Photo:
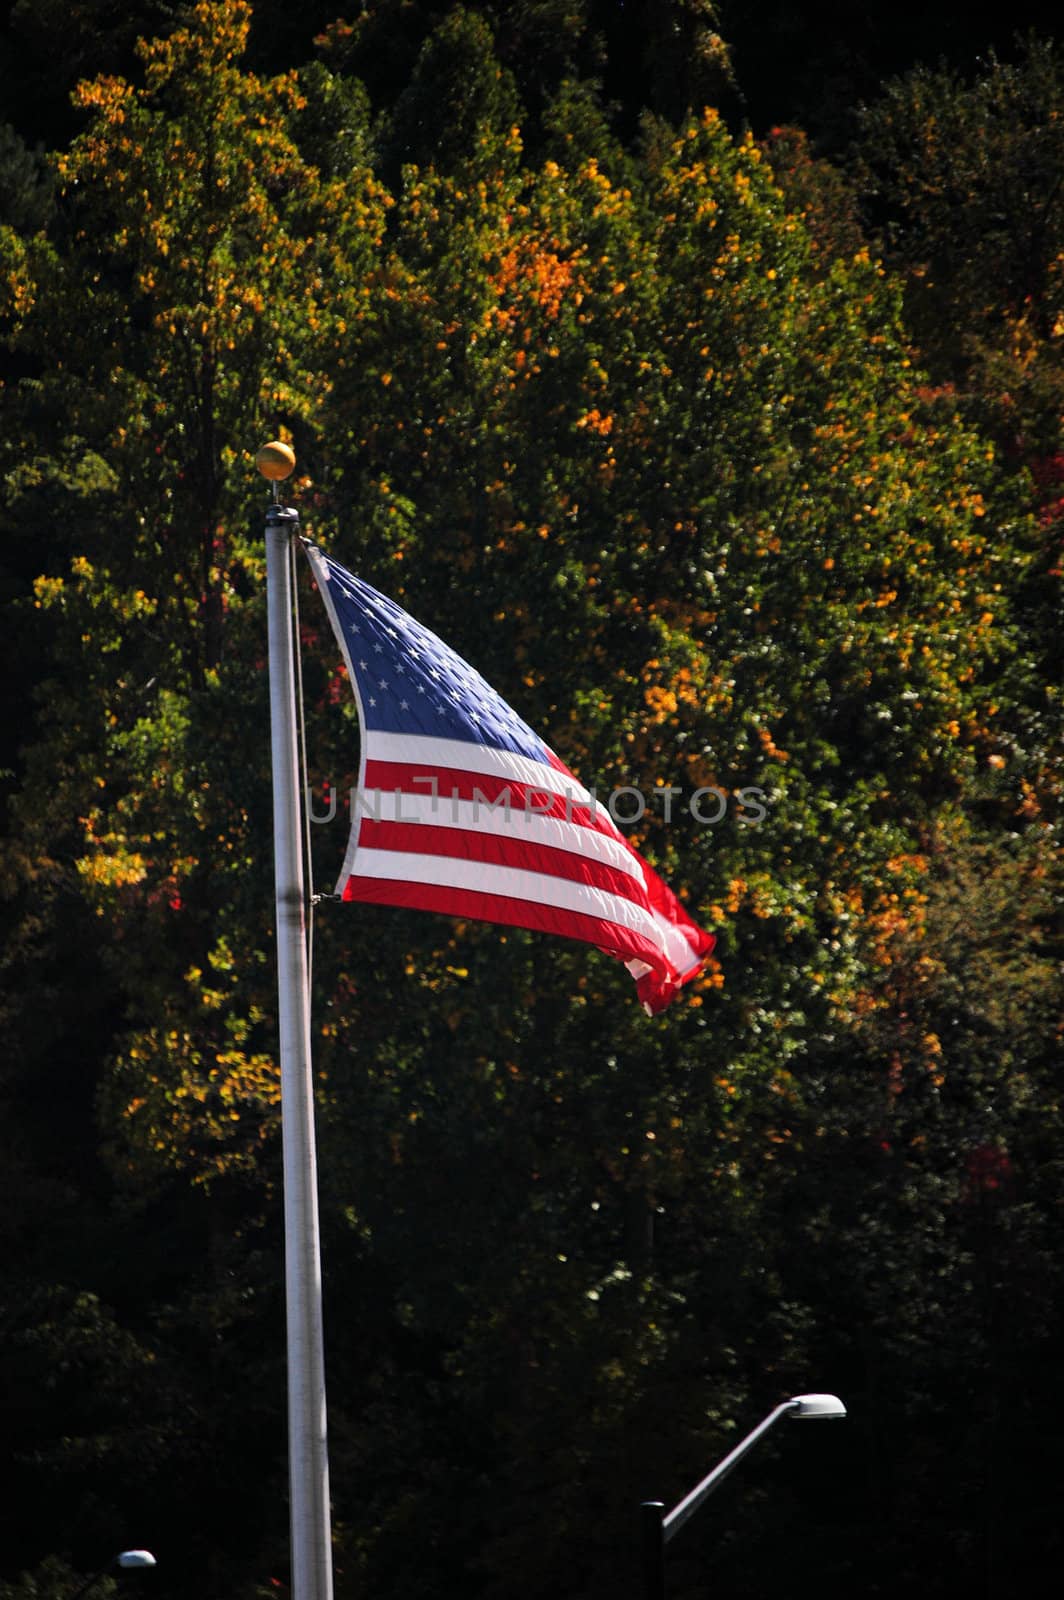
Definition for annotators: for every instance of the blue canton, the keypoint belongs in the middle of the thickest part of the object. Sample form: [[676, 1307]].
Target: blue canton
[[409, 681]]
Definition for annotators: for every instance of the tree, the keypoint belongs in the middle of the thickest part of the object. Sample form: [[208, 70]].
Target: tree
[[167, 317], [965, 179], [724, 539], [661, 465]]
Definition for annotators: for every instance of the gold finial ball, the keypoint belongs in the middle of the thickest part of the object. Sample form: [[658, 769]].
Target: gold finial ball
[[276, 461]]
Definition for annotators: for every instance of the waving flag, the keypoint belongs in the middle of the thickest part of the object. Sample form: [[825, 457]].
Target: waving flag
[[462, 809]]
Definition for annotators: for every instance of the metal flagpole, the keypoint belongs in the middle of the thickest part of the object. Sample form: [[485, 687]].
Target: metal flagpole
[[308, 1461]]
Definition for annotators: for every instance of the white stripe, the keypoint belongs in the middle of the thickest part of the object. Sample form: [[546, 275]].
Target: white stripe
[[681, 952], [506, 822], [448, 872], [418, 750]]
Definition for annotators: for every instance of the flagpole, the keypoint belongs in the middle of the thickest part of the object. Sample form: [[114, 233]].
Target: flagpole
[[308, 1461]]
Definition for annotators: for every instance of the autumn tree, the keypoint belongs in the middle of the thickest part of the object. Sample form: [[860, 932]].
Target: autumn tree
[[646, 441], [724, 538], [167, 318], [965, 178]]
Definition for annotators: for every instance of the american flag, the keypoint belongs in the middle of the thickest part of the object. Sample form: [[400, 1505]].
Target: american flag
[[463, 809]]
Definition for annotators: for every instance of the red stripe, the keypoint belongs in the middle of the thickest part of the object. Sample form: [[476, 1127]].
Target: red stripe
[[662, 900], [610, 937], [558, 764], [410, 778], [501, 850]]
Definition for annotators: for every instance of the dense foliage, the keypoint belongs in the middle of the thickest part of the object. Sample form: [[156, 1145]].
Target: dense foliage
[[734, 469]]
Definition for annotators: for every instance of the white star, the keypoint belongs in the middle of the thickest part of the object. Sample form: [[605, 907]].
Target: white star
[[404, 705]]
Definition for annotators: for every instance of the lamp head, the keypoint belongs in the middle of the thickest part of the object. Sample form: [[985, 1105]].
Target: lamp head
[[134, 1558], [808, 1406]]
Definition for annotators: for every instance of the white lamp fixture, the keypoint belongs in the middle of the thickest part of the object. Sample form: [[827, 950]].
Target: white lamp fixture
[[124, 1560], [827, 1406]]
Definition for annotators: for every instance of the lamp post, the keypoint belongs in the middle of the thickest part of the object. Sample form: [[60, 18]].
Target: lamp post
[[125, 1560], [658, 1527]]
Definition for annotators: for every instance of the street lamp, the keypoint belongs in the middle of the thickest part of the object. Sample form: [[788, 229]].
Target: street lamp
[[658, 1528], [126, 1560]]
